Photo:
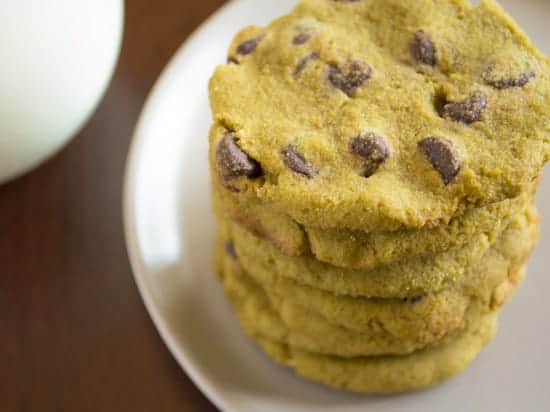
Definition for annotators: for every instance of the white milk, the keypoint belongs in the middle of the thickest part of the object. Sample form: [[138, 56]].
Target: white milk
[[56, 58]]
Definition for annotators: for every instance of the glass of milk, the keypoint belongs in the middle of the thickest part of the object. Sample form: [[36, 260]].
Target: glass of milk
[[57, 57]]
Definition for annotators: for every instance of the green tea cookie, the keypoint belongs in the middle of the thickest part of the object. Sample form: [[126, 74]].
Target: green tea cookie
[[358, 249], [386, 374], [389, 326], [381, 114], [280, 230], [405, 279]]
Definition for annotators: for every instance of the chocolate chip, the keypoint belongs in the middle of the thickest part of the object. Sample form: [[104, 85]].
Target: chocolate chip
[[301, 38], [304, 62], [249, 46], [232, 60], [508, 83], [296, 162], [414, 299], [351, 77], [371, 148], [423, 48], [443, 156], [230, 250], [468, 111], [233, 162]]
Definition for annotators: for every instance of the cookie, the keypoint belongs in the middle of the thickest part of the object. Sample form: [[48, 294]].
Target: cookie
[[405, 279], [280, 230], [386, 374], [359, 249], [382, 327], [377, 115]]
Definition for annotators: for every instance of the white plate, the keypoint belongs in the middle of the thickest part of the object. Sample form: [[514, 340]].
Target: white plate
[[170, 227]]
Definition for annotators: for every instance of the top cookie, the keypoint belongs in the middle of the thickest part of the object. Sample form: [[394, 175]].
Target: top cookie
[[381, 114]]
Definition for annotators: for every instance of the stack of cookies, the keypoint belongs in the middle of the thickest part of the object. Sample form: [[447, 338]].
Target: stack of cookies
[[374, 166]]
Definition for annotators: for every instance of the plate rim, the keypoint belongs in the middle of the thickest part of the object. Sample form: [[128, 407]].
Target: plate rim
[[135, 258]]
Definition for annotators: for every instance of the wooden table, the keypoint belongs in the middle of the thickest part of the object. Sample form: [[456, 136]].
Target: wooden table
[[74, 334]]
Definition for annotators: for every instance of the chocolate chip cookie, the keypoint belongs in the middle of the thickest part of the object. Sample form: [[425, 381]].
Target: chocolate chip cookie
[[405, 279], [378, 115]]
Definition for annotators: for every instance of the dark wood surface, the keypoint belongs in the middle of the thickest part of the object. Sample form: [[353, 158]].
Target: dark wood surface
[[74, 334]]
